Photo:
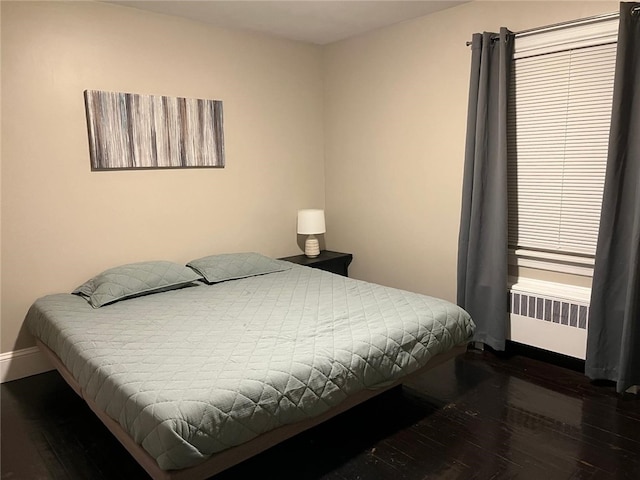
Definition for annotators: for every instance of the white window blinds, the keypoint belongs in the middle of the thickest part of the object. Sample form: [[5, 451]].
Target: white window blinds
[[560, 113]]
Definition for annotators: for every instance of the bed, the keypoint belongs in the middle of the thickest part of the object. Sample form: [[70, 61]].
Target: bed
[[234, 353]]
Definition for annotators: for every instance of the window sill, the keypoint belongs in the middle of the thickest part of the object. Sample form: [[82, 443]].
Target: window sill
[[563, 291]]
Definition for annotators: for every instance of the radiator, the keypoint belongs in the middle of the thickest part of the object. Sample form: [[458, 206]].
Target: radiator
[[550, 316]]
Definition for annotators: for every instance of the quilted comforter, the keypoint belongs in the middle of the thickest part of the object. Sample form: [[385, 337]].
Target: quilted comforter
[[194, 371]]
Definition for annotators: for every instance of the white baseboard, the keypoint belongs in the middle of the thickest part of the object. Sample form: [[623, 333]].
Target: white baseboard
[[22, 363]]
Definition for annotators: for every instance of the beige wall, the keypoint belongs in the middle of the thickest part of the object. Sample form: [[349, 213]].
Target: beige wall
[[394, 112], [395, 120], [62, 223]]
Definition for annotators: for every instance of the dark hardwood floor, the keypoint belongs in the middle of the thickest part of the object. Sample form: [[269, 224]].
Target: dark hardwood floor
[[481, 416]]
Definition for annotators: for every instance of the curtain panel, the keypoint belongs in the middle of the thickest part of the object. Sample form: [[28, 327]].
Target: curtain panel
[[613, 342], [482, 242]]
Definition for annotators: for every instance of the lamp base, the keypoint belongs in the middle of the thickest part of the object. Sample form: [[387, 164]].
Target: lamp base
[[311, 246]]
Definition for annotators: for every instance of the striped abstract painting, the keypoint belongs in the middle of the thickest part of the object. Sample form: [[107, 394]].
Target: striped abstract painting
[[130, 131]]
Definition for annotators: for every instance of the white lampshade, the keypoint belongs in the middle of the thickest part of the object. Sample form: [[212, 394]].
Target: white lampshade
[[311, 222]]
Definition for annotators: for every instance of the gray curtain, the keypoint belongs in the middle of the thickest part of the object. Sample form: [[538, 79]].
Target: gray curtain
[[482, 243], [613, 344]]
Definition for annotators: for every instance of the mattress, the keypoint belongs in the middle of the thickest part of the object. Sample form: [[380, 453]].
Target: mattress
[[191, 372]]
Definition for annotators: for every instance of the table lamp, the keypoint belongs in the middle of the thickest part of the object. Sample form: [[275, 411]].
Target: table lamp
[[311, 222]]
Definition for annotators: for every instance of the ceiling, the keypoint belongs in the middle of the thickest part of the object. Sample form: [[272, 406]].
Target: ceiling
[[314, 21]]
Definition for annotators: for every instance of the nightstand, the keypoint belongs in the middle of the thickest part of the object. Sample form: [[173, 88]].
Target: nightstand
[[334, 262]]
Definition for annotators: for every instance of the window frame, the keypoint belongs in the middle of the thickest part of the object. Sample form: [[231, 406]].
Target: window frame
[[567, 36]]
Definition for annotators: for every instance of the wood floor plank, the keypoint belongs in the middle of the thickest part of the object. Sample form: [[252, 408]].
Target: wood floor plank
[[482, 416]]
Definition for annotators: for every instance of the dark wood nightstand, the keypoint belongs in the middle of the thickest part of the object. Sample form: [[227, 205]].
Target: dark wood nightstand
[[334, 262]]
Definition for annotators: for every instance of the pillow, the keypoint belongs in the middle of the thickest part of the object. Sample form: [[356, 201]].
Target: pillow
[[135, 279], [231, 266]]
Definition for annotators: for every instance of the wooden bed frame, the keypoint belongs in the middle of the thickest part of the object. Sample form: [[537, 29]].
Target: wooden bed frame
[[231, 456]]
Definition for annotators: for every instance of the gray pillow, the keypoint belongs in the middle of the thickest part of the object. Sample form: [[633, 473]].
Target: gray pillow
[[231, 266], [134, 280]]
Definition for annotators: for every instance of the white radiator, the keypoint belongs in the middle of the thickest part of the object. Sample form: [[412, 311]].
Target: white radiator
[[550, 316]]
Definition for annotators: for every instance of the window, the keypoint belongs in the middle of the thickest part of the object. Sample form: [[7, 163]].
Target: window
[[560, 113]]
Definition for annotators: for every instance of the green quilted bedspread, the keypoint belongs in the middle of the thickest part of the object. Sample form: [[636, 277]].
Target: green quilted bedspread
[[191, 372]]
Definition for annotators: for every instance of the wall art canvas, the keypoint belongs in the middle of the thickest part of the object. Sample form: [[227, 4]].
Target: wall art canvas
[[131, 131]]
